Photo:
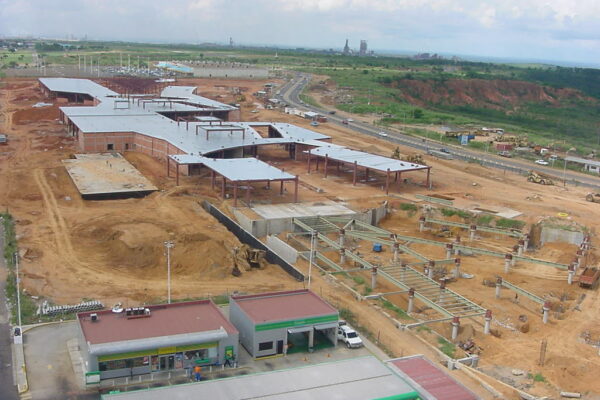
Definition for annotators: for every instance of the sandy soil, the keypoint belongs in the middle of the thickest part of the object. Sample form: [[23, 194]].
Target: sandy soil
[[113, 250]]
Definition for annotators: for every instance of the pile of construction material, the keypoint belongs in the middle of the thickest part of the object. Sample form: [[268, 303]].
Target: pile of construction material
[[83, 306]]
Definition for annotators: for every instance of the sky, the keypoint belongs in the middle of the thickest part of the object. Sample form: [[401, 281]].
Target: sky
[[559, 30]]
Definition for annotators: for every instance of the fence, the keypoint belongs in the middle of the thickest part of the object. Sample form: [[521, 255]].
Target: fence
[[246, 237]]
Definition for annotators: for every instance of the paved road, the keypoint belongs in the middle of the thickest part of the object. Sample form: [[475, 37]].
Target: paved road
[[8, 390], [289, 93], [49, 368]]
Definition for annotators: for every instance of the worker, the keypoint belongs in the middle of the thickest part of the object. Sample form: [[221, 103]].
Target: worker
[[228, 360], [197, 371]]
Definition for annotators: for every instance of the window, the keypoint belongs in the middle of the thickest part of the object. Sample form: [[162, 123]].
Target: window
[[265, 346], [110, 146], [201, 354], [126, 146]]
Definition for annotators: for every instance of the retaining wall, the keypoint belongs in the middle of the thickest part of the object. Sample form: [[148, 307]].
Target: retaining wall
[[284, 250], [561, 235]]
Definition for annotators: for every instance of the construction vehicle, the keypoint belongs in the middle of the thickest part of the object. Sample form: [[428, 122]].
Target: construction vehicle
[[246, 255], [589, 277], [411, 158], [593, 197], [539, 178]]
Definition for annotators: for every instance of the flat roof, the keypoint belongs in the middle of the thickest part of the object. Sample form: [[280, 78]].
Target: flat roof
[[296, 210], [583, 161], [187, 92], [71, 85], [237, 169], [164, 320], [106, 173], [436, 382], [353, 379], [283, 306], [367, 160]]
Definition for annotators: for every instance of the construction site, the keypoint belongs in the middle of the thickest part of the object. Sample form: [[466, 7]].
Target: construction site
[[457, 261]]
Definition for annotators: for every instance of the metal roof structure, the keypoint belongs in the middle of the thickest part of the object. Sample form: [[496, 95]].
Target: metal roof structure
[[371, 161], [84, 86], [353, 379], [187, 93], [585, 161], [431, 379], [237, 169], [281, 306]]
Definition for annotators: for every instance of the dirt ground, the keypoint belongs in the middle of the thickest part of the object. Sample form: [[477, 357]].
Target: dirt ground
[[113, 250]]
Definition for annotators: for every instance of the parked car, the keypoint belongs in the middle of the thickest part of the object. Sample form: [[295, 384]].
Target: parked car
[[332, 112], [505, 154], [350, 120], [541, 162], [348, 336], [345, 122], [314, 123], [382, 134]]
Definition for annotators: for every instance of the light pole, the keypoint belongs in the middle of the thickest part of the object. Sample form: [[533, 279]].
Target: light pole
[[18, 288], [169, 245], [565, 167], [310, 258]]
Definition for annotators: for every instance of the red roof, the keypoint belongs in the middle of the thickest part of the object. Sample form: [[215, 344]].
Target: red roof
[[431, 378], [283, 306], [164, 320]]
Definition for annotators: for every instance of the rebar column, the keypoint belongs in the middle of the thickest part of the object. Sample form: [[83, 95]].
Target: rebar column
[[571, 274], [421, 223], [449, 247], [411, 300], [488, 322], [507, 262], [373, 278], [457, 268], [498, 287], [455, 326], [472, 231], [546, 312]]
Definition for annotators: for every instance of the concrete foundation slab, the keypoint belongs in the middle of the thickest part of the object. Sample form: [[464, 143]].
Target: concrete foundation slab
[[290, 210], [106, 175]]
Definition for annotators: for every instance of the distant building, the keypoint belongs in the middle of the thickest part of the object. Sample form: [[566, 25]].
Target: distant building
[[346, 49], [363, 48], [588, 165]]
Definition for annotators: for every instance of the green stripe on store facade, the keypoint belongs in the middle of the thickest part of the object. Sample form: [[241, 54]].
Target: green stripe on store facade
[[296, 322]]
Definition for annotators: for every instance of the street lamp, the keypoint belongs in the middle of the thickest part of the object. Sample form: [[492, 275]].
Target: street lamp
[[565, 167], [18, 288], [169, 244], [311, 256]]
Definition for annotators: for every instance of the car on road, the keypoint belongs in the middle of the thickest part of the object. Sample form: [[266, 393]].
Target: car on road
[[348, 335], [345, 122], [444, 150], [505, 154], [541, 162], [332, 112], [382, 134], [350, 120], [314, 123]]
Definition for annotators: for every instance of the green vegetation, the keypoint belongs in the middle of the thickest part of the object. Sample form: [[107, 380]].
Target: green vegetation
[[351, 318], [484, 220], [537, 377], [400, 313], [309, 100], [449, 212], [12, 59], [408, 207], [359, 280], [446, 347], [509, 223], [423, 328]]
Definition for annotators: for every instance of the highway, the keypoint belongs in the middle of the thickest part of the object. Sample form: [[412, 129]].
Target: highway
[[290, 91]]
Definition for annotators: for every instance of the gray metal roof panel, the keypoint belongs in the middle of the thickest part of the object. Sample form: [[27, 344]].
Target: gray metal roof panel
[[83, 86], [367, 160], [237, 169]]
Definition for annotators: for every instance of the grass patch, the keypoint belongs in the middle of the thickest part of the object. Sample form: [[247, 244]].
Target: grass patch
[[509, 223], [400, 313], [449, 212], [309, 100], [446, 347], [359, 280], [537, 377], [485, 220], [423, 328]]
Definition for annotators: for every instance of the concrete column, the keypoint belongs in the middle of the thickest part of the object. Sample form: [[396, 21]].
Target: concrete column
[[571, 274], [457, 268], [342, 255], [449, 248], [546, 312], [472, 231], [402, 272], [579, 257], [456, 243], [442, 290], [488, 322], [373, 278], [411, 300], [342, 237], [576, 263], [513, 261], [521, 246], [308, 162], [311, 339], [525, 242], [430, 269], [455, 325], [421, 224], [498, 287], [507, 262], [396, 249]]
